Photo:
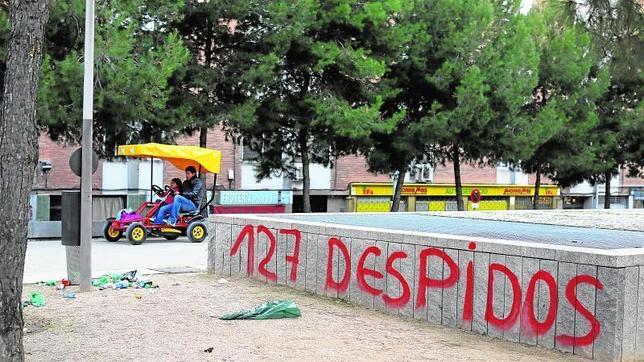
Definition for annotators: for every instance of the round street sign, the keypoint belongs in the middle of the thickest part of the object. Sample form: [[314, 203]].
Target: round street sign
[[75, 162], [475, 196]]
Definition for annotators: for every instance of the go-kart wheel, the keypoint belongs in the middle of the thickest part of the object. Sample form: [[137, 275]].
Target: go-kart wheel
[[136, 233], [110, 233], [171, 236], [197, 232]]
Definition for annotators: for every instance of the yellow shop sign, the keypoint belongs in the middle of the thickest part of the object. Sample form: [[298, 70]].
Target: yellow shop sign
[[386, 189]]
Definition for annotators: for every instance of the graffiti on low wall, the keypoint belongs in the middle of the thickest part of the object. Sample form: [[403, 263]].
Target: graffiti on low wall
[[519, 312]]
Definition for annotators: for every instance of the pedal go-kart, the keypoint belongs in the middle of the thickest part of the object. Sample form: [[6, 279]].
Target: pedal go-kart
[[137, 225]]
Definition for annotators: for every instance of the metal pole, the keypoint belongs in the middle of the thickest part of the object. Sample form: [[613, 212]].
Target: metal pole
[[151, 176], [86, 175], [596, 197]]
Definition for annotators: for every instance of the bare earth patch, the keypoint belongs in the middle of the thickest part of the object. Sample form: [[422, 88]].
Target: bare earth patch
[[176, 323]]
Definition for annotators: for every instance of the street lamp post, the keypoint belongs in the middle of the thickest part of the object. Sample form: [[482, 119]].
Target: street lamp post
[[86, 162]]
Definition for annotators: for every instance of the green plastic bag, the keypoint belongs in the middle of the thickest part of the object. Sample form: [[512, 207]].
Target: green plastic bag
[[269, 310], [105, 279], [36, 299]]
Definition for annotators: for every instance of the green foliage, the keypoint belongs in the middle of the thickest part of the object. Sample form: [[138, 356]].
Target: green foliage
[[557, 90], [467, 69], [313, 80], [562, 111], [616, 30], [136, 55], [631, 131], [483, 124], [5, 28], [221, 36]]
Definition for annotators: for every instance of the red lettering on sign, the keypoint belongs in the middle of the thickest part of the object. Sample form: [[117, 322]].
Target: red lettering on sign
[[295, 258], [571, 290], [362, 271], [248, 230], [529, 323], [425, 282], [468, 303], [507, 322], [271, 250], [400, 301], [330, 282]]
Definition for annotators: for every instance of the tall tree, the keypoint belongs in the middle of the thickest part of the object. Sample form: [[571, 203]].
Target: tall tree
[[136, 55], [408, 94], [616, 28], [216, 33], [483, 69], [18, 159], [311, 86], [562, 111]]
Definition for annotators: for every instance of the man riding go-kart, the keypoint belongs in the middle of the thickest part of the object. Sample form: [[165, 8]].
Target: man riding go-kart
[[187, 201], [187, 212]]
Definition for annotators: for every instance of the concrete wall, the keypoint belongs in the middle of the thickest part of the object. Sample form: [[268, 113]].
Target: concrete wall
[[576, 300]]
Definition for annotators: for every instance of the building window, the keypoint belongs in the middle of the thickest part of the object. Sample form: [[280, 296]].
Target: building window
[[55, 207], [616, 202]]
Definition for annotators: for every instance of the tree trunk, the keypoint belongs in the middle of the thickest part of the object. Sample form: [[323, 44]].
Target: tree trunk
[[608, 176], [395, 205], [537, 186], [203, 136], [18, 159], [457, 178], [306, 177]]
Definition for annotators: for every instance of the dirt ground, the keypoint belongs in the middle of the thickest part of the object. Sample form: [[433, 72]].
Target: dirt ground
[[177, 323]]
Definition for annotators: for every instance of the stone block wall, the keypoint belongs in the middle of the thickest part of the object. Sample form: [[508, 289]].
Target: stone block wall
[[576, 300]]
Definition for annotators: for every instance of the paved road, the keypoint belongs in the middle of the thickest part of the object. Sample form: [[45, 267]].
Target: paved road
[[547, 234], [46, 259]]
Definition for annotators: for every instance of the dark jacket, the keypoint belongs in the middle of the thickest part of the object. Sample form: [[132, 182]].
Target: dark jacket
[[194, 190]]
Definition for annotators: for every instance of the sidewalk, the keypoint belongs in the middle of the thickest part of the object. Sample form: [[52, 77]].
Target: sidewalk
[[45, 259]]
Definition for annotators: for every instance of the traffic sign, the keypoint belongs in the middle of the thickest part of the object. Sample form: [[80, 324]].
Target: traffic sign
[[75, 162], [475, 198]]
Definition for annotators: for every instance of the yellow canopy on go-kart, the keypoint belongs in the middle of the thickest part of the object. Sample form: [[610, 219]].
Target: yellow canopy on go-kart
[[180, 156]]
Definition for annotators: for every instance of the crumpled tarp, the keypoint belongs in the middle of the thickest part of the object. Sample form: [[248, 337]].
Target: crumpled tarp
[[269, 310]]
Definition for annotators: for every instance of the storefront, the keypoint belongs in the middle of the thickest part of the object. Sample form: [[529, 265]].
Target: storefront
[[376, 197], [253, 202]]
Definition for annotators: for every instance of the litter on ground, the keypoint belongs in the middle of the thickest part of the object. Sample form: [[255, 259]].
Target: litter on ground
[[123, 281], [269, 310]]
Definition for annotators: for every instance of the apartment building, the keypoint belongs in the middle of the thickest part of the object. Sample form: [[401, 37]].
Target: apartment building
[[345, 187]]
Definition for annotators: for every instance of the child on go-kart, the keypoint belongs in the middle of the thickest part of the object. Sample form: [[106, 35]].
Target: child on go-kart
[[175, 189]]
